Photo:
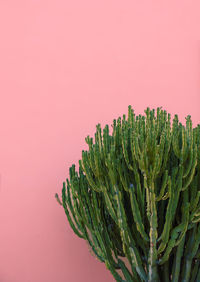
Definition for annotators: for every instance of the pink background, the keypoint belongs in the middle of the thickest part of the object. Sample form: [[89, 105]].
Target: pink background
[[64, 67]]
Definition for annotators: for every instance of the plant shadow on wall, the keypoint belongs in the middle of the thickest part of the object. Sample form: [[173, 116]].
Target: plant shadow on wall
[[136, 197]]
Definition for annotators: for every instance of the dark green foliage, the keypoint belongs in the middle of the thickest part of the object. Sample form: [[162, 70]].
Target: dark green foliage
[[137, 196]]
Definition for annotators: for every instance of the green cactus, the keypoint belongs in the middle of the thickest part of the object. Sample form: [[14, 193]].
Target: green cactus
[[137, 196]]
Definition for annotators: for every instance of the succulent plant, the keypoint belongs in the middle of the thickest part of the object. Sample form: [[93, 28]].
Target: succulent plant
[[137, 196]]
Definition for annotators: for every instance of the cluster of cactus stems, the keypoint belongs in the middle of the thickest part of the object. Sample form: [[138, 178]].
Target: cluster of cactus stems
[[137, 196]]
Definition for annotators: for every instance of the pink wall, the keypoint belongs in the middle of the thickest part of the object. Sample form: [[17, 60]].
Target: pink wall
[[64, 67]]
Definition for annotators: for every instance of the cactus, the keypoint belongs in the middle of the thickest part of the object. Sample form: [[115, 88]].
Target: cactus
[[137, 196]]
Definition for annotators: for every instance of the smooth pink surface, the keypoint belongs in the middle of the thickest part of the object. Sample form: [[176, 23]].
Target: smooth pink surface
[[64, 67]]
